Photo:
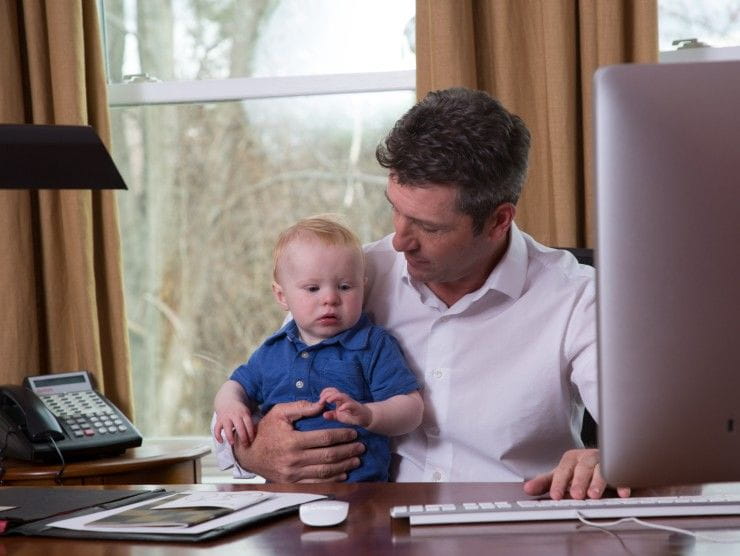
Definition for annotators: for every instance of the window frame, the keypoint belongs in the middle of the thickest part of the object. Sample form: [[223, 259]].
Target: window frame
[[700, 54], [251, 88]]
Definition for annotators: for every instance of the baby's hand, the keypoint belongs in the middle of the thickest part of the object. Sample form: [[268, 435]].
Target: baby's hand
[[346, 410], [235, 422]]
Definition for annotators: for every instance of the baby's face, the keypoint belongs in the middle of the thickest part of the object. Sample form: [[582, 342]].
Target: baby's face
[[322, 286]]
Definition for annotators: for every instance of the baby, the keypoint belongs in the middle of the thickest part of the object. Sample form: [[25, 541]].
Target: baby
[[329, 352]]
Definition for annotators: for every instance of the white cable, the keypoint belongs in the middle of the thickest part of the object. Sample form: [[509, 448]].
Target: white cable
[[606, 525]]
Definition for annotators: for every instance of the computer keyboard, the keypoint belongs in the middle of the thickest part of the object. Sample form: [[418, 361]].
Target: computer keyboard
[[548, 510]]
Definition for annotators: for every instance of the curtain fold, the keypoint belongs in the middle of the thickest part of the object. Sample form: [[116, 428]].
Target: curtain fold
[[60, 263], [539, 57]]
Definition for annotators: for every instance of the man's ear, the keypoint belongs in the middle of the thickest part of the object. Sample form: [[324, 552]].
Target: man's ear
[[277, 291], [500, 221]]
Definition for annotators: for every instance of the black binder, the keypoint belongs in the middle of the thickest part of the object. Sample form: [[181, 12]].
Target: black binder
[[100, 500], [33, 504]]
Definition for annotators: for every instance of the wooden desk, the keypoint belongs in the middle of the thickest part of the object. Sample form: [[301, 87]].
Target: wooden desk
[[164, 461], [369, 530]]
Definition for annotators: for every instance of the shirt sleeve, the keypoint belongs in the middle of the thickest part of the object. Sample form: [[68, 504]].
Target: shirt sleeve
[[388, 374], [247, 376], [580, 345]]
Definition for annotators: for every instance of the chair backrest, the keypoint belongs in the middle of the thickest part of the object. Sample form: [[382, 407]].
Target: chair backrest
[[589, 429], [585, 255]]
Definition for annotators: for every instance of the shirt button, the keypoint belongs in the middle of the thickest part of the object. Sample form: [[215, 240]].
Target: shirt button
[[437, 476], [299, 384], [304, 354], [437, 373]]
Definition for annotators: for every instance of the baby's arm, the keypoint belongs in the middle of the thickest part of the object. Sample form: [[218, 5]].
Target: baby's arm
[[232, 414], [396, 415]]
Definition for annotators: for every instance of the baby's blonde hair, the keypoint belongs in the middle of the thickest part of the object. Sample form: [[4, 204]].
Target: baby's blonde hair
[[325, 227]]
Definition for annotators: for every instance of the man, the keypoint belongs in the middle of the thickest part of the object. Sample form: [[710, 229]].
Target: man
[[499, 329]]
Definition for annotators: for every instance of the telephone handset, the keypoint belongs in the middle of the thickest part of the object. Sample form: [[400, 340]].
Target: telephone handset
[[27, 411], [61, 413]]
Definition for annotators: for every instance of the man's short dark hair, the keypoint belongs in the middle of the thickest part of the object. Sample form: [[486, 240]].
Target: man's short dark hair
[[463, 138]]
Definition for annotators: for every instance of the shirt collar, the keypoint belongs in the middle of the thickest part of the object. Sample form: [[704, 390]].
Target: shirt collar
[[511, 271], [354, 338]]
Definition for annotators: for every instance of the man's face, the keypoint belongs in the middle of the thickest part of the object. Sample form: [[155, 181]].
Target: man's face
[[438, 240]]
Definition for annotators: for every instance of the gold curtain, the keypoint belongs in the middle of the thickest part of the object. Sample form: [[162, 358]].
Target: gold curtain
[[61, 290], [539, 57]]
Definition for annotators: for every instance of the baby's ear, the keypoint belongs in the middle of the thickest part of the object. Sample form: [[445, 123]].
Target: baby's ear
[[277, 291]]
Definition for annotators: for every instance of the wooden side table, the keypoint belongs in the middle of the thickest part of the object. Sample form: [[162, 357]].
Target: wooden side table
[[161, 461]]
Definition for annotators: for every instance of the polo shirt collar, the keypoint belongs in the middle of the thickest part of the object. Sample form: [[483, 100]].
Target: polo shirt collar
[[355, 338]]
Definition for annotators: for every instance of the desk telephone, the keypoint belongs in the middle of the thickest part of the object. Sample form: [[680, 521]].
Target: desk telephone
[[64, 410]]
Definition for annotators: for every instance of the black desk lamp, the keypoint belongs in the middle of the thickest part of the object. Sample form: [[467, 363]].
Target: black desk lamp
[[55, 157]]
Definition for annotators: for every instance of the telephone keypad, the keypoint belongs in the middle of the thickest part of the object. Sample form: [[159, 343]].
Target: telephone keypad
[[85, 413]]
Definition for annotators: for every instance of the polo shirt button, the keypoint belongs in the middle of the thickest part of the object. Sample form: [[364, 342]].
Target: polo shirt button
[[304, 354], [437, 476], [438, 373], [299, 384]]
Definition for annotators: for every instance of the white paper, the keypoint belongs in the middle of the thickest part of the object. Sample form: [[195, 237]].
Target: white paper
[[215, 499], [272, 502]]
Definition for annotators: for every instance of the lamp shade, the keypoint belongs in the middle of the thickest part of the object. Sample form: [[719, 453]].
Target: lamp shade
[[55, 157]]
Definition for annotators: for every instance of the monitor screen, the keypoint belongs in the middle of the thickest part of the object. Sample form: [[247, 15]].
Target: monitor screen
[[667, 143]]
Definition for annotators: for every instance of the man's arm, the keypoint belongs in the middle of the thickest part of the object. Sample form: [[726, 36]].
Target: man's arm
[[282, 454], [578, 474]]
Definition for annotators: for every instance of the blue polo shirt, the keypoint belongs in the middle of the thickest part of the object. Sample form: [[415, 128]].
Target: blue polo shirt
[[365, 362]]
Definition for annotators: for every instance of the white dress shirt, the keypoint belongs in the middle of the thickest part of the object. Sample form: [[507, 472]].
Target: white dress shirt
[[505, 370]]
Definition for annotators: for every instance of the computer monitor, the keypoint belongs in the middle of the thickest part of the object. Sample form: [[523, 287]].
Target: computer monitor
[[668, 272]]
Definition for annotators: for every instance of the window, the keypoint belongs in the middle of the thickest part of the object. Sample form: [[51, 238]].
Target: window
[[230, 120], [714, 23]]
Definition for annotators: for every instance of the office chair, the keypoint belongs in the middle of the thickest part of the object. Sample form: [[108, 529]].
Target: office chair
[[589, 429]]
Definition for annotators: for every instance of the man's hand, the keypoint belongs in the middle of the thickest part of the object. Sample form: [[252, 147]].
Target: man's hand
[[577, 474], [282, 454]]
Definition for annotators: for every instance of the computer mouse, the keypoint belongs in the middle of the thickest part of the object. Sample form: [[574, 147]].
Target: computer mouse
[[323, 513]]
